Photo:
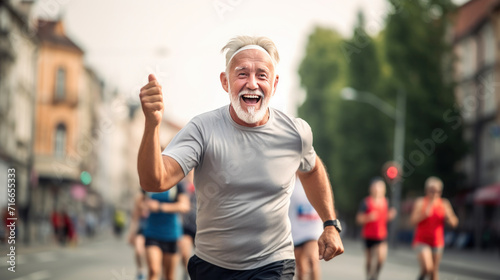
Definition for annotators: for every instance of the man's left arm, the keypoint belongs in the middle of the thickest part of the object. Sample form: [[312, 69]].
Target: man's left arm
[[319, 193]]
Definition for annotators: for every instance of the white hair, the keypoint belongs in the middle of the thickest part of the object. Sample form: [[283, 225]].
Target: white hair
[[239, 42], [431, 181]]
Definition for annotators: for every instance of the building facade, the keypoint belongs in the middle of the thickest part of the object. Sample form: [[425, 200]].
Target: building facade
[[18, 56], [476, 43], [59, 122]]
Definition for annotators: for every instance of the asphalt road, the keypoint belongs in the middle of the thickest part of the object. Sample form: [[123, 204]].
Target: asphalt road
[[111, 259]]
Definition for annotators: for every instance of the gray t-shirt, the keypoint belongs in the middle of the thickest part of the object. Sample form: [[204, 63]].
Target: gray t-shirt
[[244, 177]]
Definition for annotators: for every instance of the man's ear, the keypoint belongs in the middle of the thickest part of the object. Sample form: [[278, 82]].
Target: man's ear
[[276, 83], [224, 81]]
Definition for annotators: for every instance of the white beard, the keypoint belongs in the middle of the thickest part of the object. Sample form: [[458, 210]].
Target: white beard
[[253, 115]]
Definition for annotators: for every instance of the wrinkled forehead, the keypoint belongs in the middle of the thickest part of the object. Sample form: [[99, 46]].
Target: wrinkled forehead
[[250, 58]]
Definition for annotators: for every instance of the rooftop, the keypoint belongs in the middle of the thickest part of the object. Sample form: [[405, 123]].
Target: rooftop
[[53, 31]]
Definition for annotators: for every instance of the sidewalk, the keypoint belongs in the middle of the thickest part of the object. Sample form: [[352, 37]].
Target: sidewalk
[[401, 263]]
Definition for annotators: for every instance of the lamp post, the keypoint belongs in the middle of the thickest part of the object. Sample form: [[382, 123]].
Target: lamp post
[[398, 114]]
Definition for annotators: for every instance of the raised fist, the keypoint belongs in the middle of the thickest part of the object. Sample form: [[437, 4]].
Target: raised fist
[[152, 101]]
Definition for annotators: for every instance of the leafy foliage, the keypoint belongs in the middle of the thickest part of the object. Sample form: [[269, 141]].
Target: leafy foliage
[[354, 139]]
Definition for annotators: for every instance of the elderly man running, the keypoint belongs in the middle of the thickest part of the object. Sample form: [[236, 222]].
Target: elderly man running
[[245, 157]]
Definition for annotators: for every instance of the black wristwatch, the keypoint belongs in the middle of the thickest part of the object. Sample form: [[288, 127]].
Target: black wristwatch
[[335, 223]]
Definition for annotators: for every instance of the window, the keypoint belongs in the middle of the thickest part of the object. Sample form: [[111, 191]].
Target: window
[[469, 101], [60, 84], [488, 97], [60, 140], [489, 44], [468, 60]]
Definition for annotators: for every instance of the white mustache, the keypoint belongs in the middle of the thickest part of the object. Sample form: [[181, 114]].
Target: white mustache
[[256, 92]]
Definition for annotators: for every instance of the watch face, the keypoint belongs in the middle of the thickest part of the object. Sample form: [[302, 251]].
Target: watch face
[[337, 224]]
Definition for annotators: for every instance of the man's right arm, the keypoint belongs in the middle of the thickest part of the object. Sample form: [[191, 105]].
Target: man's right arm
[[362, 217], [157, 173]]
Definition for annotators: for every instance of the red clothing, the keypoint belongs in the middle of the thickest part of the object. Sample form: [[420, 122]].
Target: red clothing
[[57, 220], [376, 230], [431, 229]]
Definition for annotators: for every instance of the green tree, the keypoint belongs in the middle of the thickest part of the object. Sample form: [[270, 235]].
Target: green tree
[[419, 55], [363, 145], [349, 136], [323, 74]]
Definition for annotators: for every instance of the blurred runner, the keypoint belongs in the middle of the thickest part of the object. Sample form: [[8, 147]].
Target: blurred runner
[[429, 215], [57, 221], [163, 230], [118, 222], [186, 243], [70, 234], [373, 215], [306, 229], [136, 236]]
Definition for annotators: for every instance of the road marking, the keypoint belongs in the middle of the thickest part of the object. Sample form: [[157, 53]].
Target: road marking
[[39, 275]]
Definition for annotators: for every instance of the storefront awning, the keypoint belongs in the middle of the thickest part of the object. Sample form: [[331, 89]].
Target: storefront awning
[[489, 195]]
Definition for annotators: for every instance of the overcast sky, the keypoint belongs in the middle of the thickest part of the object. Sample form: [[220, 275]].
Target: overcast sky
[[180, 41]]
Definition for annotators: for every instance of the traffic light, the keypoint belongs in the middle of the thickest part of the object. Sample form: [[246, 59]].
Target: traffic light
[[391, 172], [86, 178]]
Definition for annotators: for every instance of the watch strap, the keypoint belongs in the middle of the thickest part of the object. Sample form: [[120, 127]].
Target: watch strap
[[335, 223]]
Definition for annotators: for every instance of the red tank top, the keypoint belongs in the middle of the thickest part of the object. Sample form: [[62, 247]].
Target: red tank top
[[431, 229], [376, 230]]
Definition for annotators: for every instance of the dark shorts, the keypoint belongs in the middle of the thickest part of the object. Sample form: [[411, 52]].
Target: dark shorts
[[165, 246], [369, 243], [189, 232], [201, 270]]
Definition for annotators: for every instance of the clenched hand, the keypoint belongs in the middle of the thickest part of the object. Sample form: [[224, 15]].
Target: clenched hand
[[152, 101]]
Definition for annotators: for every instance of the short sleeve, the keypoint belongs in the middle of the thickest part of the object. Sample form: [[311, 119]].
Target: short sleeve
[[186, 147], [308, 159]]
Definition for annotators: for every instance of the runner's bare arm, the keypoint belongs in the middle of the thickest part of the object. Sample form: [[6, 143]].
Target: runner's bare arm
[[451, 218], [181, 206], [134, 222], [157, 173], [319, 192]]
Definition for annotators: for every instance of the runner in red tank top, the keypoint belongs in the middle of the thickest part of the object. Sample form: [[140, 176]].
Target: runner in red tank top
[[374, 214], [429, 215]]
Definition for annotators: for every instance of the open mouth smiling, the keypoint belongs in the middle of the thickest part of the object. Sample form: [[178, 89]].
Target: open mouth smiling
[[251, 99]]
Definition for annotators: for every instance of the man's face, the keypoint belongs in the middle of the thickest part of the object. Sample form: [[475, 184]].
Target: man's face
[[434, 189], [250, 82], [377, 189]]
